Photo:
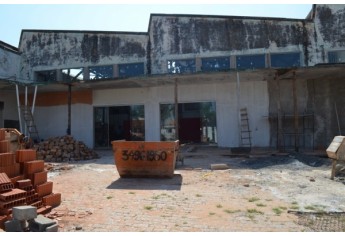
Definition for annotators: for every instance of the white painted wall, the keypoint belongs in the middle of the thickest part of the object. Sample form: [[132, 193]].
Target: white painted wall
[[52, 122], [254, 95], [10, 111]]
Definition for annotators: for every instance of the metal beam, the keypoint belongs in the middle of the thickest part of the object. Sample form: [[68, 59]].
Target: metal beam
[[34, 101]]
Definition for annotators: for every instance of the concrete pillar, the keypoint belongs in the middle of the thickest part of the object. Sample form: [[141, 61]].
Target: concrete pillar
[[198, 64], [59, 76], [116, 71], [86, 73], [233, 62]]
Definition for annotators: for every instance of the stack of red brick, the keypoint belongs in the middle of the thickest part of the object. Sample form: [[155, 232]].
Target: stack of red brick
[[23, 181]]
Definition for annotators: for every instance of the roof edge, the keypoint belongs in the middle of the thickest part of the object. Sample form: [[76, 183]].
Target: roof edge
[[9, 47]]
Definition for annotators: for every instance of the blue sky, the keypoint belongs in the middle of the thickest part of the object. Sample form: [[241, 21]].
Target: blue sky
[[122, 17]]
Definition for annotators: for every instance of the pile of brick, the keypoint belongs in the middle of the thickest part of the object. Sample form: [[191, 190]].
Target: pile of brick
[[64, 148], [23, 181]]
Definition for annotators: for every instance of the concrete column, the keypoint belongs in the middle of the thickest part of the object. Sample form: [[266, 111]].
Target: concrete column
[[198, 64], [233, 62], [59, 76], [86, 73], [268, 60], [116, 71]]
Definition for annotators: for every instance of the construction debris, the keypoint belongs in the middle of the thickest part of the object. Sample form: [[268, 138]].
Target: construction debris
[[23, 181], [64, 148], [25, 219], [219, 167]]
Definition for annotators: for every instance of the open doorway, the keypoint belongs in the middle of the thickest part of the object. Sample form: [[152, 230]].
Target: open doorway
[[197, 122], [118, 122]]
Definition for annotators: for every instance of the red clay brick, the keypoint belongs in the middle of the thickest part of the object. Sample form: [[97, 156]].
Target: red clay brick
[[6, 211], [7, 159], [32, 167], [37, 204], [16, 178], [53, 199], [11, 171], [3, 219], [44, 189], [10, 204], [39, 178], [44, 210], [4, 178], [4, 146], [6, 187], [31, 199], [25, 155], [12, 195], [21, 184], [30, 192], [2, 134]]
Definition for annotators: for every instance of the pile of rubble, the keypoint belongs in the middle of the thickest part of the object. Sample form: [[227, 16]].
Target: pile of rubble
[[64, 148]]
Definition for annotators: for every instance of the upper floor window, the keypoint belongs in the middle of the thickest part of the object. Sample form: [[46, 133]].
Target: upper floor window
[[215, 64], [250, 61], [181, 66], [101, 72], [285, 60], [45, 76], [336, 56], [132, 69], [72, 74]]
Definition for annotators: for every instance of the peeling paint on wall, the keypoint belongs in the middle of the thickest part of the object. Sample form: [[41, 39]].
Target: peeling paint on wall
[[9, 63], [187, 35], [46, 50]]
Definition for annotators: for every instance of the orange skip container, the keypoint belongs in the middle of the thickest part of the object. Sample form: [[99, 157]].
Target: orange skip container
[[145, 159]]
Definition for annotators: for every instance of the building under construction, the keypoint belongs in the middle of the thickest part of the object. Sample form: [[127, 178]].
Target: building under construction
[[230, 81]]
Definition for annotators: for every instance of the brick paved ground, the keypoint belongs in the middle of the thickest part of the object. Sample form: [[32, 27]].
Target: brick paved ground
[[96, 199]]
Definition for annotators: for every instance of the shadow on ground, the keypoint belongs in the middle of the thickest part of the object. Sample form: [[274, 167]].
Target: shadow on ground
[[173, 183]]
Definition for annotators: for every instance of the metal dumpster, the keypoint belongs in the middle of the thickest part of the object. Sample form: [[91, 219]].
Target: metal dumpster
[[145, 159]]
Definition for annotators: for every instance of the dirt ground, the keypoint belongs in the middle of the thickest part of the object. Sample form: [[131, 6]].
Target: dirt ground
[[259, 192]]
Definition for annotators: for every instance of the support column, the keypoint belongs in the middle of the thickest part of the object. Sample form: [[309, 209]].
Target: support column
[[69, 109], [18, 105], [238, 96], [34, 101], [176, 111], [295, 112]]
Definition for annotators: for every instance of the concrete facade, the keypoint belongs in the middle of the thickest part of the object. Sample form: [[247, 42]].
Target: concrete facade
[[266, 90]]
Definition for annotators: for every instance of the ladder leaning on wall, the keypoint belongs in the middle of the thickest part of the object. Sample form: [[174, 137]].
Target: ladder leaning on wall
[[246, 140], [25, 112], [30, 123]]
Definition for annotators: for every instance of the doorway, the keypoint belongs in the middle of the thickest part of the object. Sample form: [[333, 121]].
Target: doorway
[[196, 121], [117, 123]]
